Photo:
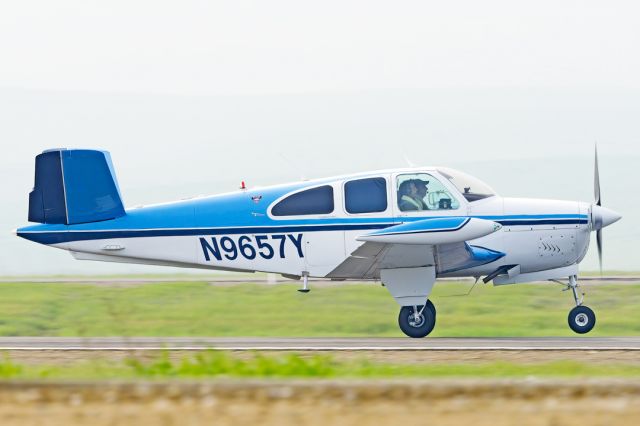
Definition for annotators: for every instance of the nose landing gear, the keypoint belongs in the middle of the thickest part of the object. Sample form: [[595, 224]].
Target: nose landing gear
[[581, 318]]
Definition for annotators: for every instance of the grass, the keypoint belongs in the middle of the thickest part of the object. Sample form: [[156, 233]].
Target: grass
[[202, 309], [218, 364], [211, 274]]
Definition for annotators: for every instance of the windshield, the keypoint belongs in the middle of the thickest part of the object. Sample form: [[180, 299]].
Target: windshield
[[473, 189]]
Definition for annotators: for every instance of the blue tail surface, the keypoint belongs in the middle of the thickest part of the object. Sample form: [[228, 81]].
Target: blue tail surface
[[74, 186]]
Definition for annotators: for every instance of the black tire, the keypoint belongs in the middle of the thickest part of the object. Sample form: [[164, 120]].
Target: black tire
[[422, 328], [582, 319], [432, 307]]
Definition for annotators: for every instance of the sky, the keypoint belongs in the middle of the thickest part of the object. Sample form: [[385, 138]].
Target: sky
[[192, 97]]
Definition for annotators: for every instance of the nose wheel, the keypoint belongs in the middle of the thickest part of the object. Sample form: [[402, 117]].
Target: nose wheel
[[417, 321], [581, 318]]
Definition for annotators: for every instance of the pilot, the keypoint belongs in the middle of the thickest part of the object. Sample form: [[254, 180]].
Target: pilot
[[411, 195]]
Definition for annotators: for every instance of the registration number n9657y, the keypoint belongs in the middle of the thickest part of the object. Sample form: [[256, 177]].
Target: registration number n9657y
[[250, 247]]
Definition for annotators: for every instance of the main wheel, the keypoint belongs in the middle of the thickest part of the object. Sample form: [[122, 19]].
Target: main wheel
[[417, 326], [582, 319]]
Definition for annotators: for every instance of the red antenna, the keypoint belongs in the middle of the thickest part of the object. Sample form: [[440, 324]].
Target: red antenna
[[242, 185]]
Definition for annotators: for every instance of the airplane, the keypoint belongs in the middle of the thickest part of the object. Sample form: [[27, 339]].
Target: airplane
[[404, 227]]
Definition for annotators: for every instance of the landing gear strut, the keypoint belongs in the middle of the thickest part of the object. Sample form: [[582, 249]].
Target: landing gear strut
[[305, 283], [417, 321], [581, 318]]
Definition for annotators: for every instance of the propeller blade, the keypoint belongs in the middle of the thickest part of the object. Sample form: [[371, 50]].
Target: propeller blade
[[599, 242], [596, 182]]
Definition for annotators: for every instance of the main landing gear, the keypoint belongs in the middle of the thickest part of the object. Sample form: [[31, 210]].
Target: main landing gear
[[581, 318], [417, 321]]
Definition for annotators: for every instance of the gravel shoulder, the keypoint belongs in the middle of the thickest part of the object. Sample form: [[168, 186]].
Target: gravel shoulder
[[322, 402]]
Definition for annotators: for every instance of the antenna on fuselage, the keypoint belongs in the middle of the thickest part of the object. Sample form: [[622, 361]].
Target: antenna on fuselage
[[409, 162], [294, 165]]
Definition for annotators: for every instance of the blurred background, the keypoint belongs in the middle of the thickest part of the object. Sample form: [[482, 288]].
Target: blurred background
[[192, 98]]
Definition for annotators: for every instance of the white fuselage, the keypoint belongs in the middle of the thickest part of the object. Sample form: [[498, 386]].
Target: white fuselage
[[536, 234]]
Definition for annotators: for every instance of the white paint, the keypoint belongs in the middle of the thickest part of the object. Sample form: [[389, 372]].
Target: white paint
[[409, 286], [552, 274]]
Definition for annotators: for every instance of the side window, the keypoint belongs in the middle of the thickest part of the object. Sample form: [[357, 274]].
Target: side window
[[312, 201], [366, 195], [421, 191]]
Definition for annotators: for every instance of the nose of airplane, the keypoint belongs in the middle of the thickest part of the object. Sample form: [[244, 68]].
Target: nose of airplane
[[602, 216]]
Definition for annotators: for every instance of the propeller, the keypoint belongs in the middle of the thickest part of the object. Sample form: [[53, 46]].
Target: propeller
[[598, 202], [600, 216], [596, 181]]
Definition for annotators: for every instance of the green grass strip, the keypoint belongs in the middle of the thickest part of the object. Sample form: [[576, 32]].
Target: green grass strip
[[203, 309], [216, 364]]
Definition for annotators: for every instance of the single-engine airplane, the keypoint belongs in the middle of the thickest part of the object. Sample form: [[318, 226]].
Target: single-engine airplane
[[404, 227]]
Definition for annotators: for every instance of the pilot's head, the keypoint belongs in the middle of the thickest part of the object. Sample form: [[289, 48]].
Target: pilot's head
[[405, 188], [416, 188], [420, 187]]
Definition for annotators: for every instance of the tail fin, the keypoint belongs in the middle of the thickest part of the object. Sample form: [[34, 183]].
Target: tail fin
[[74, 186]]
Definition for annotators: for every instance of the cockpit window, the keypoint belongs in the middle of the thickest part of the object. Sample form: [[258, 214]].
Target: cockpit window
[[422, 191], [473, 189], [311, 201]]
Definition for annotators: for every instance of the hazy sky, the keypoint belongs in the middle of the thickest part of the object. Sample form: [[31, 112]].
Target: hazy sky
[[192, 97], [257, 47]]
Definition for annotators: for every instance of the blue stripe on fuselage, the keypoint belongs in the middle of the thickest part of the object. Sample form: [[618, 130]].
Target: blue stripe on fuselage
[[55, 234], [430, 225]]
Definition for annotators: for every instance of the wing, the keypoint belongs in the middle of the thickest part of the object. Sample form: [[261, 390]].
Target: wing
[[438, 242], [368, 259]]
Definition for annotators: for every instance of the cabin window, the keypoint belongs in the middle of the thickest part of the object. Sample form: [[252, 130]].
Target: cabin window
[[366, 195], [311, 201], [421, 191]]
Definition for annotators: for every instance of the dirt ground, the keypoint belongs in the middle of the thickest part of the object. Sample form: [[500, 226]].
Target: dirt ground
[[322, 403], [474, 402]]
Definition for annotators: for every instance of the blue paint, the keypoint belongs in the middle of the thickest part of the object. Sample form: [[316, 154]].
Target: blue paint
[[261, 242], [74, 186], [210, 249], [47, 201], [90, 186], [283, 239], [229, 247], [232, 250], [297, 242], [477, 256], [239, 213], [46, 234], [447, 224], [246, 249], [484, 255]]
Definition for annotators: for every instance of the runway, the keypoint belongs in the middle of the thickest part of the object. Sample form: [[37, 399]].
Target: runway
[[322, 344], [272, 280]]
